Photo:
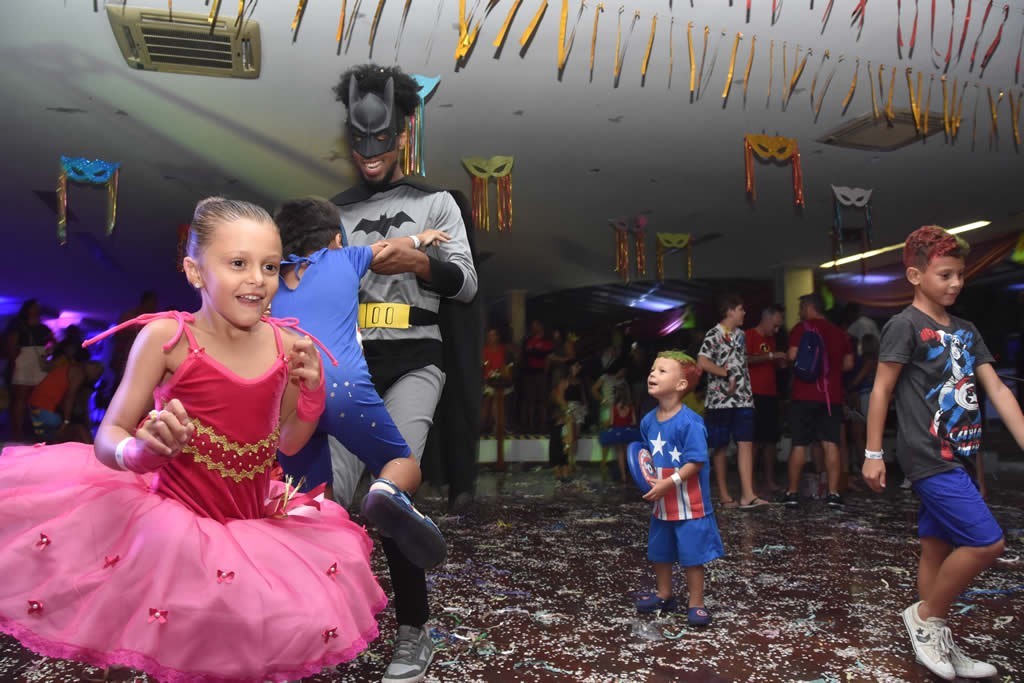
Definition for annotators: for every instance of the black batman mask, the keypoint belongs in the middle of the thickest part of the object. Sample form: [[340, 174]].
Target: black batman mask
[[372, 124]]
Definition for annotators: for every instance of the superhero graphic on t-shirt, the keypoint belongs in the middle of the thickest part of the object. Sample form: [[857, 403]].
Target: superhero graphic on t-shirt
[[956, 422]]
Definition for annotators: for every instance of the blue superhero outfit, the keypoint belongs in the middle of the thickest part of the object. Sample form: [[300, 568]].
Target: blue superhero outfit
[[326, 302]]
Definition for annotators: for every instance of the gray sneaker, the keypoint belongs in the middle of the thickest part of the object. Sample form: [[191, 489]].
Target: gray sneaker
[[412, 655]]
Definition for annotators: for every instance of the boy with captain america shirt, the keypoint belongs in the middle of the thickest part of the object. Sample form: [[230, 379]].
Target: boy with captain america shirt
[[930, 360], [683, 527]]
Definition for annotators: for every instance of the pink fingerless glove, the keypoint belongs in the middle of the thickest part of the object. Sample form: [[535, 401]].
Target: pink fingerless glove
[[132, 455], [311, 401]]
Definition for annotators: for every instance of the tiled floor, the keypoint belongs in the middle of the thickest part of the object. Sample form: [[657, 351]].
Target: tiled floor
[[541, 580]]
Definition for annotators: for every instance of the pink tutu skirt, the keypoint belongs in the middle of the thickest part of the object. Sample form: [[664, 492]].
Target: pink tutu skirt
[[98, 568]]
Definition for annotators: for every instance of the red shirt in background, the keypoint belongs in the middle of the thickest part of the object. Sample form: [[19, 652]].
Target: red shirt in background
[[536, 351], [837, 345], [762, 375]]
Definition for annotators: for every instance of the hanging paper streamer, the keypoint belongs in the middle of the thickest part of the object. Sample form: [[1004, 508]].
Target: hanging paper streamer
[[467, 38], [732, 67], [825, 17], [858, 16], [777, 149], [981, 31], [915, 99], [620, 231], [798, 71], [621, 47], [671, 54], [849, 198], [640, 243], [650, 46], [750, 65], [532, 28], [182, 244], [703, 56], [401, 26], [828, 82], [963, 35], [340, 34], [593, 38], [503, 33], [995, 41], [375, 24], [88, 172], [672, 243], [563, 48], [1015, 117], [853, 86], [899, 30], [412, 155], [693, 66], [482, 170], [300, 9]]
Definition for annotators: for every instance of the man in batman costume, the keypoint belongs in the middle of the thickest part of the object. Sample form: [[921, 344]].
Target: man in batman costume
[[400, 311]]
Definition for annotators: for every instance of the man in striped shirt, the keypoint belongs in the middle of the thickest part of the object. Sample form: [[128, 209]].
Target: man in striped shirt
[[683, 528]]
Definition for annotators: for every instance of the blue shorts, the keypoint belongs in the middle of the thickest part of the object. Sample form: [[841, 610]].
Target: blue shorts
[[355, 415], [723, 423], [952, 510], [689, 542]]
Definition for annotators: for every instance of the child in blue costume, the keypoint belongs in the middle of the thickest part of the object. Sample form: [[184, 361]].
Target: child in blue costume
[[320, 285], [683, 528]]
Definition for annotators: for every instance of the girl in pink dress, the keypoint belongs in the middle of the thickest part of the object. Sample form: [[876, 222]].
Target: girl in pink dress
[[169, 548]]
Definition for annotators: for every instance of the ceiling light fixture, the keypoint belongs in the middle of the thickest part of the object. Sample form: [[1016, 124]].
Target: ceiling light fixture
[[893, 247]]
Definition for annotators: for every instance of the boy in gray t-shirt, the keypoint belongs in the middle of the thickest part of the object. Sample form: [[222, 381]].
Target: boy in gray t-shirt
[[930, 360]]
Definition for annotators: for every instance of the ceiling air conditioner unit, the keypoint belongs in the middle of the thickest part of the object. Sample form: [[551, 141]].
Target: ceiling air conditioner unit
[[185, 43]]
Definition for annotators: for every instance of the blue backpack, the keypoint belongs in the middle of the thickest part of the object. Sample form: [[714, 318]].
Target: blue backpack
[[810, 362]]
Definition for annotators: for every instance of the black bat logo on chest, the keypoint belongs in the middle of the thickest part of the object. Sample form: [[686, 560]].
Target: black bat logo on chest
[[383, 225]]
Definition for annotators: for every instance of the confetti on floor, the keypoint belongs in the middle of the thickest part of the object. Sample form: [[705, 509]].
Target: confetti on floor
[[541, 579]]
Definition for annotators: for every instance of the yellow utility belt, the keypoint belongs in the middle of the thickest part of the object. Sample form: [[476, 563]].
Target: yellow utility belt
[[390, 316]]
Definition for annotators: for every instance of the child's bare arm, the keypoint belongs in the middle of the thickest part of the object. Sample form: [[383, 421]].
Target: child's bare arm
[[878, 409], [662, 487]]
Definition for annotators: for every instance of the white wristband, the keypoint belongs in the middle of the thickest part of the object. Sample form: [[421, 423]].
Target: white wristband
[[676, 478], [119, 451], [873, 455], [415, 241]]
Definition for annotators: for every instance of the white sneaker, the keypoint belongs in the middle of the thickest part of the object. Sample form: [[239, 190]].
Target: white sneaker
[[965, 666], [931, 640]]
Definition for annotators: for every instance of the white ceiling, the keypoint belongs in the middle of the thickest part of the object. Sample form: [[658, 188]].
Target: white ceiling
[[68, 91]]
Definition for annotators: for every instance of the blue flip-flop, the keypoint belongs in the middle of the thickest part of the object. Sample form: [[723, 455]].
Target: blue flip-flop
[[698, 616]]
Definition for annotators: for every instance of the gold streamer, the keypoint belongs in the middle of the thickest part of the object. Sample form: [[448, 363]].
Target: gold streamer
[[814, 80], [500, 40], [593, 38], [750, 65], [650, 46], [881, 90], [913, 102], [771, 71], [945, 106], [620, 55], [797, 72], [703, 56], [993, 105], [467, 38], [732, 66], [853, 86], [785, 69], [618, 42], [828, 82], [340, 34], [958, 117], [671, 56], [693, 66], [563, 18], [889, 114], [532, 28], [214, 11], [1015, 117], [928, 104], [376, 23], [871, 83], [300, 9]]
